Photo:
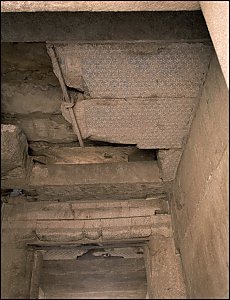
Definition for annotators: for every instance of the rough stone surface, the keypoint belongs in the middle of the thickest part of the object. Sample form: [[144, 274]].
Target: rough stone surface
[[92, 181], [30, 228], [115, 191], [16, 261], [126, 70], [71, 175], [166, 122], [103, 26], [30, 97], [43, 127], [20, 6], [14, 151], [163, 262], [95, 181], [168, 161], [24, 57], [147, 123], [15, 281], [28, 82], [200, 203]]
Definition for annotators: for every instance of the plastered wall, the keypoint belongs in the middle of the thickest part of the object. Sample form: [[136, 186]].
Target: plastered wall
[[200, 194]]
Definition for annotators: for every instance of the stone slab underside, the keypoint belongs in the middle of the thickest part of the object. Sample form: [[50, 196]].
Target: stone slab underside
[[103, 26], [152, 84], [141, 69], [147, 123]]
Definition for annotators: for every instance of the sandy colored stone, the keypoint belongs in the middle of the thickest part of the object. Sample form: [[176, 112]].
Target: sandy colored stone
[[128, 70], [101, 229], [168, 161], [166, 122], [26, 98], [200, 208], [205, 147], [148, 123], [95, 181], [43, 127], [26, 6], [163, 262], [92, 181], [14, 151], [216, 14]]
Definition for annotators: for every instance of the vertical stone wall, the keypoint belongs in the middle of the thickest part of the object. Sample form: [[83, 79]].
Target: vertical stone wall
[[163, 269], [200, 193]]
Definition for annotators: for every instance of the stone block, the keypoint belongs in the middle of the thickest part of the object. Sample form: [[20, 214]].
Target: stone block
[[168, 161], [104, 25], [163, 262], [26, 98], [43, 127], [95, 181], [151, 123], [14, 151], [127, 70]]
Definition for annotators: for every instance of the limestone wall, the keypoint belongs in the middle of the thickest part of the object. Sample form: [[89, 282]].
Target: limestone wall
[[216, 15], [200, 198]]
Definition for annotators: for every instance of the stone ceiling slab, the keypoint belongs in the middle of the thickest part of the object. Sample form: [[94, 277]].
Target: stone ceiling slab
[[124, 70], [148, 123]]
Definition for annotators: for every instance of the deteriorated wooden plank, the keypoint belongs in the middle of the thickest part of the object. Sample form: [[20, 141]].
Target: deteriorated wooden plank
[[92, 265], [94, 275], [99, 295]]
